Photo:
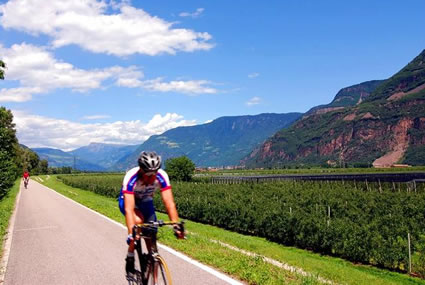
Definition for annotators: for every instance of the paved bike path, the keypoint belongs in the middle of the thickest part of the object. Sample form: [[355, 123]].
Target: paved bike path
[[56, 241]]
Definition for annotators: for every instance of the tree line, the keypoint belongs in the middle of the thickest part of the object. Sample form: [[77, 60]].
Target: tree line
[[15, 158]]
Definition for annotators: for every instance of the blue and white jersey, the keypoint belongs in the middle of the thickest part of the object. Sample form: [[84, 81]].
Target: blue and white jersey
[[143, 187]]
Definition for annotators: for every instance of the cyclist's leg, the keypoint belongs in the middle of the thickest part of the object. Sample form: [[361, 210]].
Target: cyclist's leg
[[129, 266], [161, 274], [138, 218]]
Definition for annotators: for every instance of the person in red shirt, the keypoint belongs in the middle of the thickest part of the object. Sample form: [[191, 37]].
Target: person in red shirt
[[26, 178]]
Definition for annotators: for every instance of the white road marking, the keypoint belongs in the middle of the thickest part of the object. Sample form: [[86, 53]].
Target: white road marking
[[202, 266], [36, 229]]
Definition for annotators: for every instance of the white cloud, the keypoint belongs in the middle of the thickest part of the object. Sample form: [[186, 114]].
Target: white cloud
[[85, 23], [38, 72], [253, 101], [96, 117], [20, 94], [39, 131], [253, 75], [192, 87], [195, 14], [36, 67]]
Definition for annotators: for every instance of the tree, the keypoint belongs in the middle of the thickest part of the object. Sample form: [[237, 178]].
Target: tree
[[8, 138], [29, 160], [180, 168], [8, 154], [2, 68], [43, 166]]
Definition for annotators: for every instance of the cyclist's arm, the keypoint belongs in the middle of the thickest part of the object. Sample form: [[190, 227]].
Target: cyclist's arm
[[129, 211], [170, 206]]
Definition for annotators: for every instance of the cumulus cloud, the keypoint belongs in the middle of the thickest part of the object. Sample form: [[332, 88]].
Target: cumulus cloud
[[195, 14], [191, 87], [96, 117], [87, 24], [40, 131], [38, 71], [253, 101], [253, 75], [36, 67], [20, 94]]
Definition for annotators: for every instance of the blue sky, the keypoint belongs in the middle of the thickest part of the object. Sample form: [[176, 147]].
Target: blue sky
[[120, 71]]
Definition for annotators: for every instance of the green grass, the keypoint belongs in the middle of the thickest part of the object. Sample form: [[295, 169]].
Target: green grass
[[251, 269], [7, 205]]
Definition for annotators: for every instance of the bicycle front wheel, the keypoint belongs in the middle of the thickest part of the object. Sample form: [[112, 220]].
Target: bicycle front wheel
[[159, 273]]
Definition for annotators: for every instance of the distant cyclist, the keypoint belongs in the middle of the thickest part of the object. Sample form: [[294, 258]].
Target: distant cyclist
[[136, 198], [26, 178]]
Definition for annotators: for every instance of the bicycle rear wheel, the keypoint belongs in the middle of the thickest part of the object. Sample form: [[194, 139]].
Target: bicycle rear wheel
[[160, 269]]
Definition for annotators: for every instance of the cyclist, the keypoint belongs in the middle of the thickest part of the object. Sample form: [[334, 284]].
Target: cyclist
[[136, 199], [26, 178]]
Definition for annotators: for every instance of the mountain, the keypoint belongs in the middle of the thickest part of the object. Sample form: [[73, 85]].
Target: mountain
[[387, 127], [349, 96], [104, 155], [222, 142], [59, 158]]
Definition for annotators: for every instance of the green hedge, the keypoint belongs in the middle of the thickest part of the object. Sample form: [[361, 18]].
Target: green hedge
[[104, 184]]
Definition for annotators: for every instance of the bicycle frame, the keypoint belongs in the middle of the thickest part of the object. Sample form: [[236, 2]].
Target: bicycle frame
[[150, 262]]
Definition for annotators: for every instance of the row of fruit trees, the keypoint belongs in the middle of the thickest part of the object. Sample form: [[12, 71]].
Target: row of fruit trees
[[365, 222]]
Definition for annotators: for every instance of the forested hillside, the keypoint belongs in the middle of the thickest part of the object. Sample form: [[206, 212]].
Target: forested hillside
[[222, 142]]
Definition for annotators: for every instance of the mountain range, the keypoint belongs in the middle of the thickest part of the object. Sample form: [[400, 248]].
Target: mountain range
[[222, 142], [378, 122], [94, 157]]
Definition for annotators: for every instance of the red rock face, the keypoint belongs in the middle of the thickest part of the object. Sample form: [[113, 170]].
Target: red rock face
[[265, 151], [334, 145], [393, 139], [361, 135], [397, 145]]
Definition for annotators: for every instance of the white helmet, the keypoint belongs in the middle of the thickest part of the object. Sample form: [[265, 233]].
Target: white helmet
[[149, 161]]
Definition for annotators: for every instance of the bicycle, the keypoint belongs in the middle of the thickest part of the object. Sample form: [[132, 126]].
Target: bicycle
[[151, 264], [25, 183]]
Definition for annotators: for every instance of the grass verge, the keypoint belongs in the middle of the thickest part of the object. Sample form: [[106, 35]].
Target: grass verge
[[253, 270], [7, 204]]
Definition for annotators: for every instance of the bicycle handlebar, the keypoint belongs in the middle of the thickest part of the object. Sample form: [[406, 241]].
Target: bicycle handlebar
[[180, 234], [159, 223]]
